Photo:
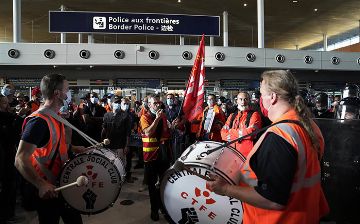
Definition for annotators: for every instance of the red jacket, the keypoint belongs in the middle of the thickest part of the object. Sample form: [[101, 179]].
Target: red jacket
[[239, 129], [219, 121]]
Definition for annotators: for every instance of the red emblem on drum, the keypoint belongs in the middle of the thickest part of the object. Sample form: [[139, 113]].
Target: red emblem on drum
[[89, 173], [206, 194]]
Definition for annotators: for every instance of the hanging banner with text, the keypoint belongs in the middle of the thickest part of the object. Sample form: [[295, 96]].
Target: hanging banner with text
[[133, 23]]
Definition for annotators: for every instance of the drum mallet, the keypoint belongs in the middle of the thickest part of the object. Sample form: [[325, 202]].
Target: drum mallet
[[105, 142], [179, 166], [80, 181]]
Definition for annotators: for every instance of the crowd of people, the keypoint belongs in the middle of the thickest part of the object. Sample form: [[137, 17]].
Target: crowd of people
[[155, 131]]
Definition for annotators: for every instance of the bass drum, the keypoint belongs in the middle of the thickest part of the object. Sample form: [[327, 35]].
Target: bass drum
[[186, 197], [105, 173]]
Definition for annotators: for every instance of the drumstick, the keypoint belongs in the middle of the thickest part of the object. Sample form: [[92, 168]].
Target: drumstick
[[105, 142], [80, 181], [178, 166]]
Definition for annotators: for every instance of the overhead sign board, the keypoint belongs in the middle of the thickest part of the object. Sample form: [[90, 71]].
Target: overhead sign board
[[236, 84], [133, 23], [24, 82], [138, 83]]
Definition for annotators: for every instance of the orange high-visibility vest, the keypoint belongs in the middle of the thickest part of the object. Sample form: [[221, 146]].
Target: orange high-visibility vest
[[42, 157], [307, 203], [150, 143]]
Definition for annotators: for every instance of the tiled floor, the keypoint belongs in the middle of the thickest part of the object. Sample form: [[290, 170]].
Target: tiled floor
[[137, 213]]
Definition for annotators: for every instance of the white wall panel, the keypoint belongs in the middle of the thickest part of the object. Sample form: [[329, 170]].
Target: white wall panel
[[171, 55]]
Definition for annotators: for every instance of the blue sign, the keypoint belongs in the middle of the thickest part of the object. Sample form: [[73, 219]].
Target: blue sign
[[132, 23], [138, 83]]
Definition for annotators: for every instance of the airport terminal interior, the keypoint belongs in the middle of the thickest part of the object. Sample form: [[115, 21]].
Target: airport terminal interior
[[178, 111]]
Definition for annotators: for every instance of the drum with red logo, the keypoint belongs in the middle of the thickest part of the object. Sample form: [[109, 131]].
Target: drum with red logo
[[185, 195], [105, 172]]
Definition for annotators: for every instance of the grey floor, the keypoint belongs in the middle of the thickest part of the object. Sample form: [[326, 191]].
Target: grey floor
[[138, 212]]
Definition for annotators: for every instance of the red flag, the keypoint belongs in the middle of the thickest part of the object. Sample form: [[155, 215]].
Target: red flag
[[194, 93]]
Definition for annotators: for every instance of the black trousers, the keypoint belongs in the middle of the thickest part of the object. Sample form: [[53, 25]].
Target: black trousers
[[155, 170], [129, 161], [50, 211], [8, 176]]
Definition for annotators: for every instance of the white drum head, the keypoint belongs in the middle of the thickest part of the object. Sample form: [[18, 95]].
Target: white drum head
[[187, 200], [102, 189]]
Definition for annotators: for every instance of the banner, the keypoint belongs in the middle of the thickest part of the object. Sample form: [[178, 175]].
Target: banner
[[194, 94]]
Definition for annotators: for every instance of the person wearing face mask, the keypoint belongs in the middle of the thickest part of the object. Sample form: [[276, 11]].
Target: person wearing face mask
[[108, 102], [281, 177], [8, 90], [144, 107], [171, 109], [93, 114], [242, 122], [155, 132], [321, 109], [177, 126], [335, 103], [134, 120], [43, 151], [116, 127], [212, 120]]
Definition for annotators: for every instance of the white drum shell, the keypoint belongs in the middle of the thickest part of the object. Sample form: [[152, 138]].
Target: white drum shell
[[182, 191], [105, 173], [226, 162]]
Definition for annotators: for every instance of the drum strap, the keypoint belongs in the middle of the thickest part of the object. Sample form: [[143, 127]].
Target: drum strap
[[51, 113], [208, 152]]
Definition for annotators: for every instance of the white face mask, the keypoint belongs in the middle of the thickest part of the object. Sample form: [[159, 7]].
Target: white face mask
[[68, 97], [210, 103], [153, 111], [67, 101], [124, 107], [116, 107], [241, 108], [94, 100]]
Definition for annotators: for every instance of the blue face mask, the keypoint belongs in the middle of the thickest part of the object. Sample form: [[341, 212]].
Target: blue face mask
[[64, 109], [116, 107], [210, 103], [170, 102], [6, 91]]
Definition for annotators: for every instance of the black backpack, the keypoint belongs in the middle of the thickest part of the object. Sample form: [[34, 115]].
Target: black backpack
[[247, 122], [248, 117]]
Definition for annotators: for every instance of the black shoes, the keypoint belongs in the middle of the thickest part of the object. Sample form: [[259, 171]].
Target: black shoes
[[154, 216]]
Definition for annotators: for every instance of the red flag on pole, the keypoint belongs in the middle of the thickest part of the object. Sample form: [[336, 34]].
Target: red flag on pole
[[194, 93]]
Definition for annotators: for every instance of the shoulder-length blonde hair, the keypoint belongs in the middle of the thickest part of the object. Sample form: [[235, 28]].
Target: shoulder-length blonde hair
[[284, 84]]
